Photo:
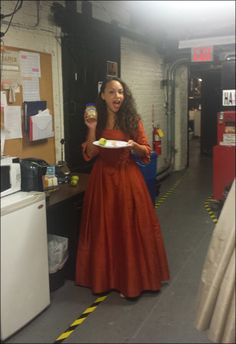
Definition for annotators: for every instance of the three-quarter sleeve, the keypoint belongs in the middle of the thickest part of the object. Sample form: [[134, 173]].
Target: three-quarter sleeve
[[85, 153], [141, 138]]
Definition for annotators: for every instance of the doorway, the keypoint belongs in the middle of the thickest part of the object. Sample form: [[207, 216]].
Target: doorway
[[204, 101], [84, 66]]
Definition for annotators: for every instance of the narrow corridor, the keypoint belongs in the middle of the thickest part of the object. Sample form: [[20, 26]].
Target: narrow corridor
[[164, 317]]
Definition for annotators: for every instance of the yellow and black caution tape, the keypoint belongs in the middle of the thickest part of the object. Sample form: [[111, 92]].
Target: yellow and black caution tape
[[209, 210], [162, 199], [80, 320]]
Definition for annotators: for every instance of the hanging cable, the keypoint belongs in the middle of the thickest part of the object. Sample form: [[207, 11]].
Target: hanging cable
[[16, 9]]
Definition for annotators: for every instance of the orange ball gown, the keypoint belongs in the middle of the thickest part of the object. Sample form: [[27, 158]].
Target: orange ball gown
[[120, 245]]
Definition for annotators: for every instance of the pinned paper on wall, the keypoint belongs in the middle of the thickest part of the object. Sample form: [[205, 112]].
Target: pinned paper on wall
[[30, 64], [12, 122], [10, 74], [10, 60], [3, 137], [41, 126], [3, 99], [31, 89]]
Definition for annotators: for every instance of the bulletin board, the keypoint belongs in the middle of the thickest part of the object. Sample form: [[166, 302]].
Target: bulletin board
[[22, 147]]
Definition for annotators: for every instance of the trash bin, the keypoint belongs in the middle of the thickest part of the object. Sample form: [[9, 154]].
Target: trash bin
[[149, 172], [57, 257]]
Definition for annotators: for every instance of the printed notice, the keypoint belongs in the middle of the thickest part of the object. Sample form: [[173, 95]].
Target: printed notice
[[30, 64], [10, 60], [12, 122], [229, 98], [30, 88]]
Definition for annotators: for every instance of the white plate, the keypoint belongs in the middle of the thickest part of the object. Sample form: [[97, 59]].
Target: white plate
[[112, 144]]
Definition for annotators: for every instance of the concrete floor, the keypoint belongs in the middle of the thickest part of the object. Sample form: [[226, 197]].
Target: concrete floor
[[164, 317]]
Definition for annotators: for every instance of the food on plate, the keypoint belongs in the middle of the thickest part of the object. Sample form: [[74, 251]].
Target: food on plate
[[102, 141]]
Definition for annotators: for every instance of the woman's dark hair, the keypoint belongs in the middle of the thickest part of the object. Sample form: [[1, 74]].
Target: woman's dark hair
[[126, 118]]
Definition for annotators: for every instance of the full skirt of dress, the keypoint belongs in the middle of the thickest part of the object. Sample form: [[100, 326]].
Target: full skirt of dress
[[120, 244]]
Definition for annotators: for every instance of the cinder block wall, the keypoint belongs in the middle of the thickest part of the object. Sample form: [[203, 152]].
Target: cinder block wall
[[142, 69]]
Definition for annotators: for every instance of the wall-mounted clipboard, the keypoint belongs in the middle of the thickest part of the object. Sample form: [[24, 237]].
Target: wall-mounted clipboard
[[23, 148]]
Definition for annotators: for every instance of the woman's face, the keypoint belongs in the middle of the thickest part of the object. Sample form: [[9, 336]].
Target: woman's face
[[113, 95]]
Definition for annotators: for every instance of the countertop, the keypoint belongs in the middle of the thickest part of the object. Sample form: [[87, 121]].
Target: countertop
[[65, 191]]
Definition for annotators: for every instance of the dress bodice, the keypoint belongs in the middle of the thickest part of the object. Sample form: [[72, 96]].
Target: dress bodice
[[115, 156]]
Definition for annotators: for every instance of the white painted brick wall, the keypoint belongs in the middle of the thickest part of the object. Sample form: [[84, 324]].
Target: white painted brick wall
[[142, 69], [108, 11]]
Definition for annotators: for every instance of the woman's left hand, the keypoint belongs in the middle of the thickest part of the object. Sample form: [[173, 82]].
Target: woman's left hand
[[131, 143], [137, 148]]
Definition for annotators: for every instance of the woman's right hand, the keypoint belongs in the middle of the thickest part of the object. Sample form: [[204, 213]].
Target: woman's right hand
[[90, 150], [90, 123]]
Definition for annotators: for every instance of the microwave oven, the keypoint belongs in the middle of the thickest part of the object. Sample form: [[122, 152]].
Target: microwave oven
[[10, 175]]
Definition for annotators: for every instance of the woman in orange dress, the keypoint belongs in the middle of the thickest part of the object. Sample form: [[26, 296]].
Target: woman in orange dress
[[120, 247]]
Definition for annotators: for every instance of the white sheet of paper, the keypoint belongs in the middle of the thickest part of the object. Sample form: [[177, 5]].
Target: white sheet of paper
[[41, 125], [12, 122], [30, 64], [3, 99], [31, 89], [3, 135]]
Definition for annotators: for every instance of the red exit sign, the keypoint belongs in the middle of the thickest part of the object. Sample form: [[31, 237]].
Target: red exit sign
[[202, 54]]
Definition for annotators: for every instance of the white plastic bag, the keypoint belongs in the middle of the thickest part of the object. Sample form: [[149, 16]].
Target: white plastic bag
[[57, 252]]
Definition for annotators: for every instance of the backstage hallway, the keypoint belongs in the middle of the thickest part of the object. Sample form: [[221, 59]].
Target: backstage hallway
[[164, 317]]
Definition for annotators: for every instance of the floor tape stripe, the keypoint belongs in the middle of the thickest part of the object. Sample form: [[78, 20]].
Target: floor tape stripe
[[208, 209], [90, 310], [163, 198], [80, 320], [63, 336]]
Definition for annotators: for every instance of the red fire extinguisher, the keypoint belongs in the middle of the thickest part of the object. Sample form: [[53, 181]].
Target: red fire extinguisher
[[157, 136]]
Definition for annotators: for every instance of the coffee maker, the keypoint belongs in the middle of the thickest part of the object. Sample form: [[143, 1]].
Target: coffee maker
[[32, 172]]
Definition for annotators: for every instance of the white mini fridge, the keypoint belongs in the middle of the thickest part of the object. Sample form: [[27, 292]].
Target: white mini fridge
[[24, 260]]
